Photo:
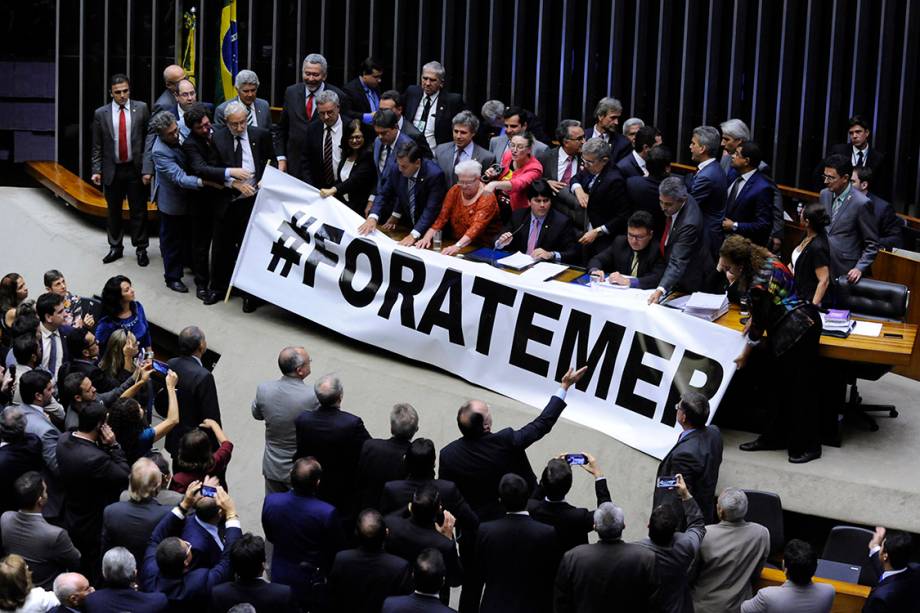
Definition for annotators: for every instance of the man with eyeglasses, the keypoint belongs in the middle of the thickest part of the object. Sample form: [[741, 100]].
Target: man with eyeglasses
[[186, 97], [561, 164], [633, 260], [172, 75], [84, 359], [601, 193]]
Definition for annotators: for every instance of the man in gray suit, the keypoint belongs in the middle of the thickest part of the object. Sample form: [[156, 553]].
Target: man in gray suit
[[257, 110], [47, 549], [561, 164], [798, 594], [448, 155], [853, 231], [172, 74], [278, 403], [731, 556]]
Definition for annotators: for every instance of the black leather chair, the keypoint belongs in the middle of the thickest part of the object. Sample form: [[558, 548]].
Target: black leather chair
[[766, 509], [869, 299], [850, 545]]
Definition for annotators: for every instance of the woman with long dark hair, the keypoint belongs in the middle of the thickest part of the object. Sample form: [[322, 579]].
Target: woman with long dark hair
[[810, 260], [129, 422], [195, 461], [356, 175], [120, 309], [13, 292]]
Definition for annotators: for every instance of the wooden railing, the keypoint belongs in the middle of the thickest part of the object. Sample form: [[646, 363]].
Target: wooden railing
[[849, 597]]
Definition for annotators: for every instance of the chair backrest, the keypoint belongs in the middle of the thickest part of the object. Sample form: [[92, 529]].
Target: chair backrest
[[872, 298], [847, 544], [766, 509]]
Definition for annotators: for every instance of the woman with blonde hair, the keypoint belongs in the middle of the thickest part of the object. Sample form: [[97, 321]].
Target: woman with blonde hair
[[17, 595]]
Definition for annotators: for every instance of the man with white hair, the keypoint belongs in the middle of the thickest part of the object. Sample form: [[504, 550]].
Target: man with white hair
[[119, 570], [322, 147], [591, 577], [431, 109], [71, 590], [258, 111], [605, 121], [731, 556], [630, 127], [300, 109]]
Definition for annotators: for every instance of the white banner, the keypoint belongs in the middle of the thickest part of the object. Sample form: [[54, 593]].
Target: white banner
[[517, 337]]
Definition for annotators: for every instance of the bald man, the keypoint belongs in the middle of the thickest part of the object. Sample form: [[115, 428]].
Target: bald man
[[71, 589], [167, 100]]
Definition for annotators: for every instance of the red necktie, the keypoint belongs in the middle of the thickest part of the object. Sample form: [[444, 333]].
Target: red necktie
[[310, 107], [664, 235], [567, 175], [122, 136]]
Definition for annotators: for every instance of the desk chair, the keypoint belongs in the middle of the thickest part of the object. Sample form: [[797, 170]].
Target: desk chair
[[870, 299], [766, 509], [850, 545]]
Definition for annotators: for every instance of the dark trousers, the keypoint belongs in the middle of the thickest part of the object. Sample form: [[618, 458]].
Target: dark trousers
[[201, 230], [230, 223], [127, 182], [172, 233], [471, 591]]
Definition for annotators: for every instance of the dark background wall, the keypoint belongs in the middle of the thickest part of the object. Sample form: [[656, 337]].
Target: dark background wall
[[794, 70]]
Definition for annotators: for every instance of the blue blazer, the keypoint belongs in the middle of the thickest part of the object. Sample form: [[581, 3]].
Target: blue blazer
[[710, 189], [897, 592], [753, 207], [205, 552], [170, 179], [430, 188], [125, 599], [401, 139]]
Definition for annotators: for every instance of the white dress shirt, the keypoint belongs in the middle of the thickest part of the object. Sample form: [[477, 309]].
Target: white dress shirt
[[641, 163], [428, 129]]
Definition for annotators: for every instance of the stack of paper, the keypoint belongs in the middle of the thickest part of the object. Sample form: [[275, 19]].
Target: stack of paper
[[543, 271], [837, 322], [707, 306], [517, 261]]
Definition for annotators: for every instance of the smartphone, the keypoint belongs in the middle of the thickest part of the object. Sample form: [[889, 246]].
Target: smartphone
[[207, 490], [667, 482], [576, 459], [160, 367]]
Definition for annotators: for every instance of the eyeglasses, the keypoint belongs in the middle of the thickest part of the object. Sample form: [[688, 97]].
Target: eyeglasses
[[829, 178], [637, 237], [582, 137], [518, 147], [355, 137]]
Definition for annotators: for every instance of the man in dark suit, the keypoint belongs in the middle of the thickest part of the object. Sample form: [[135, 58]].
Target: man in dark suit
[[898, 586], [642, 192], [306, 533], [84, 354], [258, 111], [633, 165], [197, 394], [248, 147], [71, 590], [708, 185], [119, 569], [364, 90], [430, 108], [389, 138], [381, 460], [428, 575], [414, 189], [749, 206], [548, 505], [633, 260], [860, 153], [202, 531], [391, 100], [606, 120], [322, 152], [696, 456], [683, 243], [334, 438], [167, 559], [172, 75], [120, 165], [517, 555], [590, 577], [187, 97], [462, 148], [601, 192], [20, 452], [890, 226], [299, 111], [561, 164], [93, 471], [540, 231], [362, 578], [247, 559]]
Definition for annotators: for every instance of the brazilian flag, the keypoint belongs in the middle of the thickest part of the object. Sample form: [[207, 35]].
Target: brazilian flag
[[229, 52]]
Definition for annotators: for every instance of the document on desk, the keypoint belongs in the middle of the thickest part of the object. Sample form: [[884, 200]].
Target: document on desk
[[608, 285], [867, 328], [543, 271], [517, 261]]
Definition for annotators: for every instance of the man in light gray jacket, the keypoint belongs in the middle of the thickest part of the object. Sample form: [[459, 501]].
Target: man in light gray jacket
[[278, 403], [798, 594]]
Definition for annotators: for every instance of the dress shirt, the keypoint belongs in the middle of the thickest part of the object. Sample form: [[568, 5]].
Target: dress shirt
[[428, 129], [888, 573], [744, 179], [566, 160], [116, 114], [248, 162], [373, 99], [49, 337], [595, 133], [465, 154], [212, 530], [640, 162], [556, 255], [230, 523], [180, 121], [854, 157], [704, 164]]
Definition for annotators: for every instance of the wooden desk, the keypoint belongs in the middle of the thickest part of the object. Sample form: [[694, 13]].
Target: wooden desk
[[849, 597]]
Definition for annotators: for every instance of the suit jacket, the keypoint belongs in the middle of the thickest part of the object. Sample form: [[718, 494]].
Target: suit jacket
[[390, 165], [357, 101], [197, 396], [170, 180], [730, 558], [125, 599], [852, 233], [629, 167], [556, 234], [499, 144], [517, 558], [190, 592], [100, 380], [572, 524], [203, 159], [166, 102], [361, 580], [642, 193], [414, 603], [590, 577], [46, 548], [752, 209], [709, 188], [876, 160], [398, 494], [765, 172], [311, 161], [618, 258], [130, 524], [697, 456], [620, 146], [896, 592], [39, 425], [406, 538], [477, 464], [565, 201], [449, 104], [278, 403], [104, 155], [292, 127], [406, 127], [607, 202], [430, 189], [356, 190], [445, 153], [264, 596], [792, 598], [205, 551], [16, 459], [890, 226], [687, 255], [263, 120], [380, 461], [260, 141]]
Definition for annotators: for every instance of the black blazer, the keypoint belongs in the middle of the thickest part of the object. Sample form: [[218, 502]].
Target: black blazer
[[875, 159], [104, 156], [890, 226], [896, 593], [101, 382], [334, 437], [16, 459], [550, 161], [264, 596], [360, 580], [197, 396], [357, 101], [477, 464], [687, 257], [556, 234], [629, 167], [129, 524], [397, 495], [203, 159], [697, 456], [381, 460], [260, 141], [311, 161], [816, 254], [125, 599], [618, 258], [407, 539], [517, 557], [360, 184], [752, 209], [642, 193], [292, 127], [572, 524], [607, 202], [592, 576], [449, 104]]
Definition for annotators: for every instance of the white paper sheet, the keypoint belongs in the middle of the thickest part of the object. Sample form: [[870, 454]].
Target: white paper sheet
[[867, 328], [516, 261], [541, 271]]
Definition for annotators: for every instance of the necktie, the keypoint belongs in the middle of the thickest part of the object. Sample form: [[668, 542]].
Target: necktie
[[567, 175], [412, 199], [238, 152], [534, 234], [372, 99], [52, 355], [327, 157], [836, 207], [859, 159], [634, 268], [384, 154], [122, 135], [458, 156], [425, 110], [310, 106], [250, 116], [733, 192], [664, 235]]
